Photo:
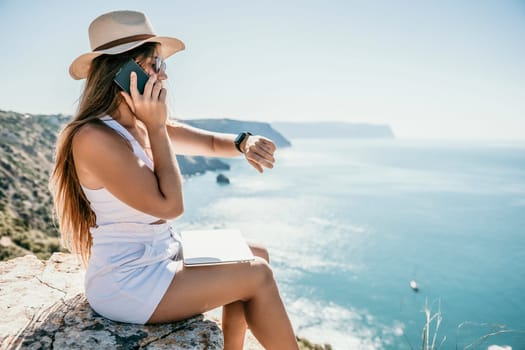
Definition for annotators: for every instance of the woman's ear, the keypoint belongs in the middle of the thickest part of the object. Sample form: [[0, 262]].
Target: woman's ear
[[128, 100]]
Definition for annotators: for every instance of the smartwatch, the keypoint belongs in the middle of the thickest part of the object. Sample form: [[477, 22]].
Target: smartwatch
[[240, 138]]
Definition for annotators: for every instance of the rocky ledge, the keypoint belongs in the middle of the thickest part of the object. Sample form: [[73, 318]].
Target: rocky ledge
[[43, 307]]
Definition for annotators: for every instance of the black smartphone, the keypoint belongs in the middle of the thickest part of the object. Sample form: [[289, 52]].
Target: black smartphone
[[122, 76]]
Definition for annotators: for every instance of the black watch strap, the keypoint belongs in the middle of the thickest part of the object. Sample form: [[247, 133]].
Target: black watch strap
[[240, 138]]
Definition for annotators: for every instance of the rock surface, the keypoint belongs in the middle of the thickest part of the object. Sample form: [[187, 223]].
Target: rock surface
[[43, 307]]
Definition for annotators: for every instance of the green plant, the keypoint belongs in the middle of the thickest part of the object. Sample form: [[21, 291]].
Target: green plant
[[427, 333]]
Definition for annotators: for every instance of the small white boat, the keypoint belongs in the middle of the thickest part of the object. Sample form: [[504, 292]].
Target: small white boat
[[414, 286]]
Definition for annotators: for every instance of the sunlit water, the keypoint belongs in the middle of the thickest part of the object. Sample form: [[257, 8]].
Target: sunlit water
[[350, 223]]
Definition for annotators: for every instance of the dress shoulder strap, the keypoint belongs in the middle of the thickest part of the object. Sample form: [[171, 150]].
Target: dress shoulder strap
[[137, 148]]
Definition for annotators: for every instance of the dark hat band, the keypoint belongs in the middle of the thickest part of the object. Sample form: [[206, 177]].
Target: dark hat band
[[125, 40]]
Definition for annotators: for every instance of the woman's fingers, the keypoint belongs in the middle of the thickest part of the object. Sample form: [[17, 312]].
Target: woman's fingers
[[150, 107], [260, 159], [256, 166], [155, 93], [148, 88], [265, 154], [152, 87], [133, 85], [268, 145], [163, 94], [264, 158], [261, 150]]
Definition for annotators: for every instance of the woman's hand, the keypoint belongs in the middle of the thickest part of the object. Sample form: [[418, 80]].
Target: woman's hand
[[259, 152], [150, 107]]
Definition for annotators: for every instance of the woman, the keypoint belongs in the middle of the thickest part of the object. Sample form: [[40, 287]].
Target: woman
[[116, 182]]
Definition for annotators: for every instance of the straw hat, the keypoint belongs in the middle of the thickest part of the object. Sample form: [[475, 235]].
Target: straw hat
[[120, 31]]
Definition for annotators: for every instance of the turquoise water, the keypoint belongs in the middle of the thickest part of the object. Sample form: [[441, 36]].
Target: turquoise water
[[350, 223]]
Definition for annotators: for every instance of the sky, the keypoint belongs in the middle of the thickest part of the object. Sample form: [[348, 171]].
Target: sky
[[448, 69]]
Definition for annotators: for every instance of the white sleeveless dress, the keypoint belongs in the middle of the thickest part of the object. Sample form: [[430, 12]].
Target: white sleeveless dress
[[132, 262]]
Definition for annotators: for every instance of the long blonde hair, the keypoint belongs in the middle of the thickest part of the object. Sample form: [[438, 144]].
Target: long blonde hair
[[100, 97]]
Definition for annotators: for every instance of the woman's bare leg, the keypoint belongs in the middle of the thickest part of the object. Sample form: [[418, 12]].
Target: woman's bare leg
[[195, 290], [233, 320], [234, 325]]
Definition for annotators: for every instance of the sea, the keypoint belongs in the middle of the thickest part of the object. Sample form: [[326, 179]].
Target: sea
[[350, 223]]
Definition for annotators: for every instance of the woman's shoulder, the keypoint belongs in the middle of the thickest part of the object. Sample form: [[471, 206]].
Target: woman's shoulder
[[90, 132], [96, 135]]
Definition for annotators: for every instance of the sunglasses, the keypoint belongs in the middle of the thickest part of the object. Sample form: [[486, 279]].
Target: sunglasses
[[158, 64]]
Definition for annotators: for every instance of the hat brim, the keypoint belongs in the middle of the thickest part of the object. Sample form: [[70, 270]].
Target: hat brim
[[80, 67]]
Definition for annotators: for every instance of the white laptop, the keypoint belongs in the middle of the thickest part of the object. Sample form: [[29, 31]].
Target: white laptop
[[212, 247]]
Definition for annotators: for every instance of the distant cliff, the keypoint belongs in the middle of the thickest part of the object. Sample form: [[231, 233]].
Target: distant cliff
[[333, 130]]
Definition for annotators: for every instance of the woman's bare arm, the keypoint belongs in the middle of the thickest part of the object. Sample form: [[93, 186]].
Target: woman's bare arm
[[188, 140]]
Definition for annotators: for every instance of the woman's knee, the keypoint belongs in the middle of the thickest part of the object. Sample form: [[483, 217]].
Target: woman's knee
[[262, 274], [260, 251]]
